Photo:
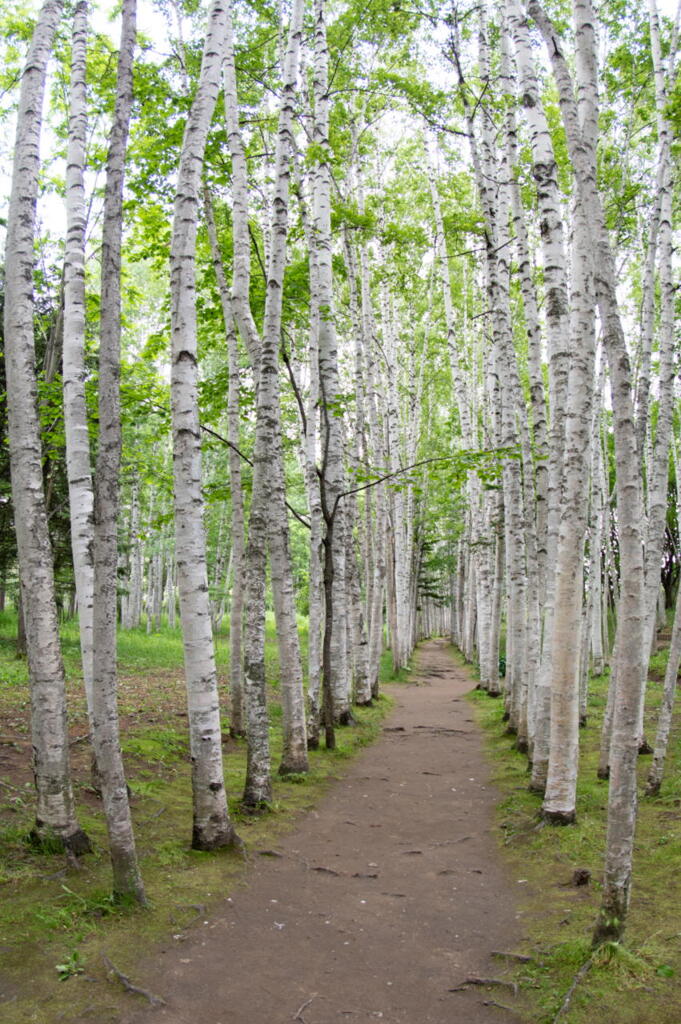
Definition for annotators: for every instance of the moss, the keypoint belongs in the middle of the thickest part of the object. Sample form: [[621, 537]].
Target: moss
[[558, 917]]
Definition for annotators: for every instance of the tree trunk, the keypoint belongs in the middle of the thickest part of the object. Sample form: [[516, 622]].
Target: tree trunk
[[75, 413], [55, 814], [127, 882], [212, 826], [236, 672]]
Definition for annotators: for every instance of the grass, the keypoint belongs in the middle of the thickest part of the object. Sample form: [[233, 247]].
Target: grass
[[57, 922], [638, 981]]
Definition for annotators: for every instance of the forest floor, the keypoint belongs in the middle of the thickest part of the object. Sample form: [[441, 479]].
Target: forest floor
[[387, 902], [380, 886]]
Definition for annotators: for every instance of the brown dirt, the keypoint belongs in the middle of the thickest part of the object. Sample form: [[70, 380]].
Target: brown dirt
[[387, 897]]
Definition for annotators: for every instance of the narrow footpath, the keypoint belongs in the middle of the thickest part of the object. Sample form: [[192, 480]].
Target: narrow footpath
[[382, 902]]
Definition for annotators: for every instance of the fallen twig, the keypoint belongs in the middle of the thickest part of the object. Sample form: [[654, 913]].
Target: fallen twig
[[298, 1015], [487, 981], [581, 973], [440, 730], [512, 956], [128, 985]]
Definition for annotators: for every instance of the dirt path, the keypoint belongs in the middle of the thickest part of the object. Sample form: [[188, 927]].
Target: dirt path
[[384, 899]]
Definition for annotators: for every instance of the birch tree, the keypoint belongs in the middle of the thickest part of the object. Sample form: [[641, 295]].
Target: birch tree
[[75, 411], [212, 826], [268, 523], [127, 881], [55, 813], [630, 643]]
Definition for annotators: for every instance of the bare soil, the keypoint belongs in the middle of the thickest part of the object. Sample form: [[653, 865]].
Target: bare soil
[[384, 902]]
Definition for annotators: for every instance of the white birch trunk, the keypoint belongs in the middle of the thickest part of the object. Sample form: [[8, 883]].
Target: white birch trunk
[[132, 607], [544, 169], [212, 827], [236, 672], [268, 520], [629, 672], [335, 668], [55, 814], [559, 804], [127, 882], [269, 482], [78, 465]]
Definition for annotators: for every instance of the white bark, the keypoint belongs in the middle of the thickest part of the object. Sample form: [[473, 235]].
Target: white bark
[[658, 467], [78, 465], [561, 786], [236, 672], [55, 815], [212, 827], [132, 606], [544, 170], [268, 521], [629, 672], [127, 882], [335, 667], [269, 483]]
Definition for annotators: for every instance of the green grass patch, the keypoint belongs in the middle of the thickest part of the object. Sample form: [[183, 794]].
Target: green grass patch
[[638, 981]]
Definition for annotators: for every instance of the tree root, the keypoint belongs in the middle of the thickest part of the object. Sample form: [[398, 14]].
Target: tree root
[[128, 985], [565, 1005], [486, 981]]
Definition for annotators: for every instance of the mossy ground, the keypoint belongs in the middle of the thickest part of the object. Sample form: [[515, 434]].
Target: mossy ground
[[639, 981], [57, 922]]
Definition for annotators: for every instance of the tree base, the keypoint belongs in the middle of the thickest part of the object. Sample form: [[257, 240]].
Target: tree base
[[225, 839], [368, 703], [211, 838], [522, 746], [294, 766], [603, 773], [653, 788], [558, 817], [78, 843], [346, 718], [582, 721], [607, 930], [254, 807], [45, 840], [644, 747]]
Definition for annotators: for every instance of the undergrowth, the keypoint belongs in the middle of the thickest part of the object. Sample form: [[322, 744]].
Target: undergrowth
[[638, 981]]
